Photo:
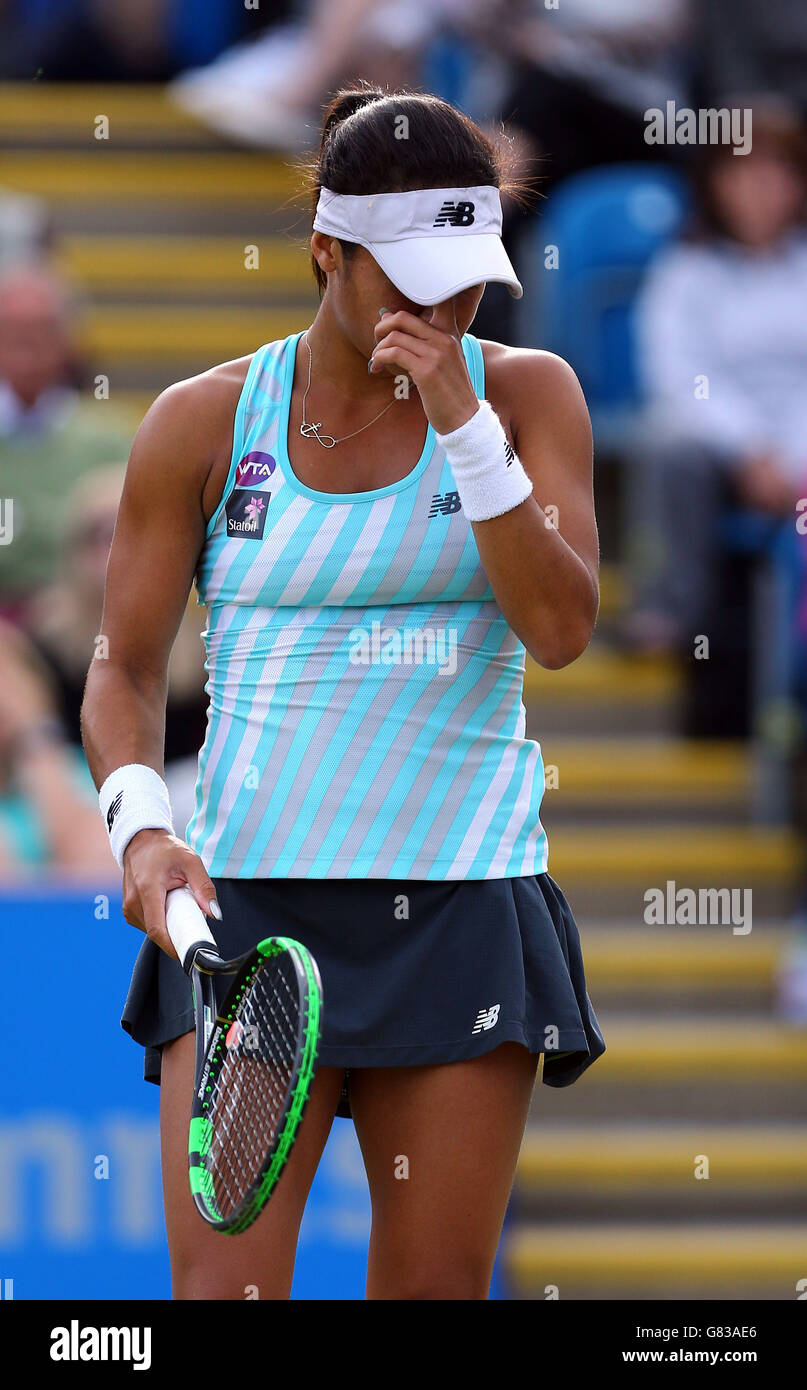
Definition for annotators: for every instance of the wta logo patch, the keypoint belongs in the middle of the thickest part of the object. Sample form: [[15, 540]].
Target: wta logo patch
[[253, 468], [246, 513]]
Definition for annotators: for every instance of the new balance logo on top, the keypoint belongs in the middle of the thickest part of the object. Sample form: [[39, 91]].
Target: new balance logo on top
[[509, 452], [486, 1018], [113, 810], [445, 506], [455, 215]]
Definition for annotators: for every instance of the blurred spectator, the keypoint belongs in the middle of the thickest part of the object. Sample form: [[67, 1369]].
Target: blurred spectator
[[64, 621], [586, 73], [758, 46], [44, 671], [580, 80], [128, 41], [723, 348], [24, 228], [48, 807], [270, 92], [50, 434]]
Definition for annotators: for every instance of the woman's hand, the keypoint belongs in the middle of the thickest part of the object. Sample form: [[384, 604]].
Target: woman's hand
[[154, 862], [431, 354]]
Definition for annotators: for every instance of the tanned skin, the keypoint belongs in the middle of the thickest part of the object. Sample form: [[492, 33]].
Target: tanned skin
[[434, 1235]]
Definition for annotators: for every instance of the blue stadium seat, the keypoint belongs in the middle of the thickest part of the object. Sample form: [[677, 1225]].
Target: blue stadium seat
[[606, 223]]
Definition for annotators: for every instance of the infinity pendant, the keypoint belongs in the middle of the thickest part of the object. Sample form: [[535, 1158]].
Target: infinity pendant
[[311, 431]]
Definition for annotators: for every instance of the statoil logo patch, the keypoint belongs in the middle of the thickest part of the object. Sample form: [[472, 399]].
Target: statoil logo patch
[[253, 468], [246, 513]]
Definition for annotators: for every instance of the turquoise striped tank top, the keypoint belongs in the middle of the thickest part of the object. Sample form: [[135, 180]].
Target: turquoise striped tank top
[[365, 692]]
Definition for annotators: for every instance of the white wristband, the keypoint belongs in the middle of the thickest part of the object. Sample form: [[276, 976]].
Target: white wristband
[[133, 797], [489, 475]]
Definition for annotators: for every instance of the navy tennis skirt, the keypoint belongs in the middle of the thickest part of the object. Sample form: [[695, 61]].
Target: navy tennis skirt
[[413, 973]]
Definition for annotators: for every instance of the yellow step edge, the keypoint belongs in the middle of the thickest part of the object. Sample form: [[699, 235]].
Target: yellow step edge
[[722, 855], [37, 104], [625, 766], [613, 589], [699, 1049], [714, 960], [136, 263], [156, 333], [600, 674], [621, 1254], [663, 1156], [109, 174]]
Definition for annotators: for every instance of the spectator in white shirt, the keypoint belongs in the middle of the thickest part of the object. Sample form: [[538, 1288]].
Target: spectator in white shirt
[[722, 336]]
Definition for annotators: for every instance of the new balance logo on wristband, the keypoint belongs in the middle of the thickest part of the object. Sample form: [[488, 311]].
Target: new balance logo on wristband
[[486, 1018], [455, 215], [509, 452], [114, 807], [445, 506]]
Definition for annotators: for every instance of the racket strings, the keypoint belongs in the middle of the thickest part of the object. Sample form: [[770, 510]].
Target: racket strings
[[250, 1090]]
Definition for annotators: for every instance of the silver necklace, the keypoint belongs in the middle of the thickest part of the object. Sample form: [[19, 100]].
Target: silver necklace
[[309, 430]]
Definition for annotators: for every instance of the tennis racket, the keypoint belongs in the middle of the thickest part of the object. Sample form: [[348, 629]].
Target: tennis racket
[[255, 1061]]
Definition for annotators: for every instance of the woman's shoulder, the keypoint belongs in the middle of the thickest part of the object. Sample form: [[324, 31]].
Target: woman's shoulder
[[519, 379], [208, 394]]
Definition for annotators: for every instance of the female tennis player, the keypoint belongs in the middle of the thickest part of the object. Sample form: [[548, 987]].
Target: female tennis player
[[381, 513]]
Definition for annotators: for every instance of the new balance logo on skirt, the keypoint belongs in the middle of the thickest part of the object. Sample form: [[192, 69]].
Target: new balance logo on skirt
[[486, 1018]]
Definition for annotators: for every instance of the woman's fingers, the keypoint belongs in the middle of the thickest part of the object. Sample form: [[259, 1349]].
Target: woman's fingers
[[152, 902], [399, 357], [403, 322]]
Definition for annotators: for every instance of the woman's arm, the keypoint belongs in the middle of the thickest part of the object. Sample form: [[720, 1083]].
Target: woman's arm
[[542, 556], [159, 534]]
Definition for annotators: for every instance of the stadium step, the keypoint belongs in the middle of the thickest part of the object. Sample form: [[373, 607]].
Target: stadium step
[[597, 769], [700, 1170], [654, 1260], [606, 693], [697, 1046], [102, 172], [628, 965], [606, 869], [63, 115], [134, 266]]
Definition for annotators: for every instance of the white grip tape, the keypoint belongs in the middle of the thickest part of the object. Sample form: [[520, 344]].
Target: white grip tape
[[186, 923], [489, 475]]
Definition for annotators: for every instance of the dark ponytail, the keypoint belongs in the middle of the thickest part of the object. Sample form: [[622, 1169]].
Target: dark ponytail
[[374, 141]]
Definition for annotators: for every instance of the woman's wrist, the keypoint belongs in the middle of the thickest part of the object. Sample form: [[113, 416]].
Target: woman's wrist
[[489, 475], [132, 798]]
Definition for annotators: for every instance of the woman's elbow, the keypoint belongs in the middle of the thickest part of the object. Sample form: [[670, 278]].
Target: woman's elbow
[[555, 650], [560, 654]]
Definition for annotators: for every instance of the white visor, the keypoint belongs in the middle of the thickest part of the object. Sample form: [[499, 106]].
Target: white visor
[[431, 243]]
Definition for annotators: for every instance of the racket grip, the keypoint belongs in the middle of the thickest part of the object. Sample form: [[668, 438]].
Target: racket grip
[[186, 923]]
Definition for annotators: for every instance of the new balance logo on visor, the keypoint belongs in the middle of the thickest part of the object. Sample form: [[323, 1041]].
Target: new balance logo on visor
[[455, 215], [509, 452], [445, 506], [486, 1018], [113, 810]]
